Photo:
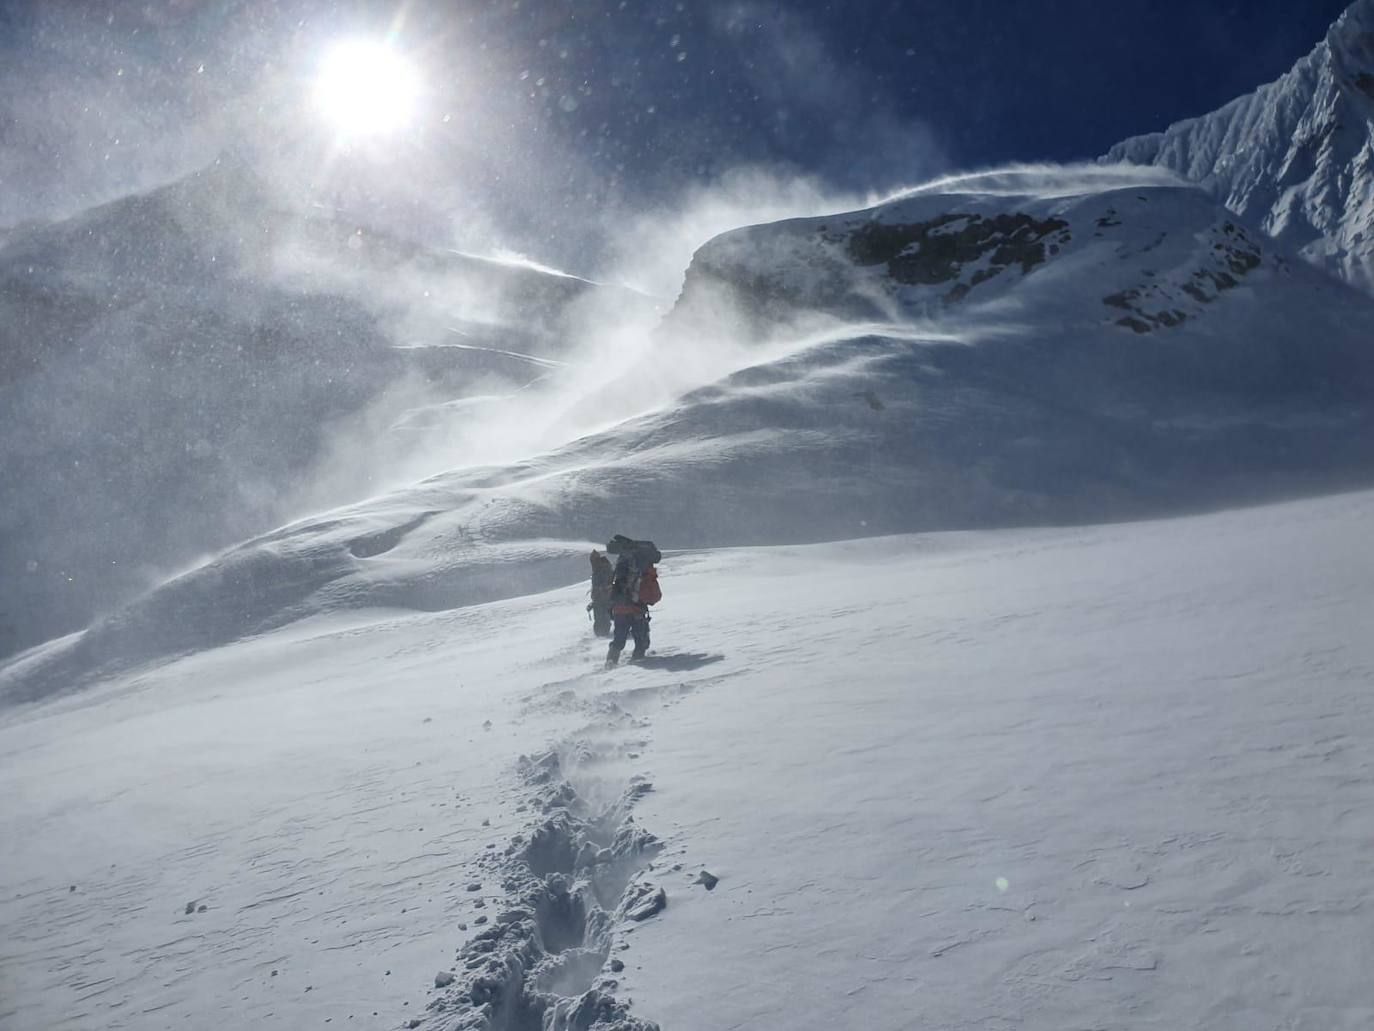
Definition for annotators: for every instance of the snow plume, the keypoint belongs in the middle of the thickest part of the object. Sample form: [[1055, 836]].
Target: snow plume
[[654, 249], [515, 259], [551, 377], [1043, 180], [613, 355]]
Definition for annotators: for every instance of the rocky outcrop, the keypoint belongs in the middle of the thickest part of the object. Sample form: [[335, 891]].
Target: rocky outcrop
[[848, 264]]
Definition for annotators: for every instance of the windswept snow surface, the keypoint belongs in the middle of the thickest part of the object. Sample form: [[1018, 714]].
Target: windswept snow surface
[[1102, 777], [947, 360]]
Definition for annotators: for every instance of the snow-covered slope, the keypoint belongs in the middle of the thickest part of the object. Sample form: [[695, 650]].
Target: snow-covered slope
[[984, 353], [1296, 156], [1101, 777], [173, 365]]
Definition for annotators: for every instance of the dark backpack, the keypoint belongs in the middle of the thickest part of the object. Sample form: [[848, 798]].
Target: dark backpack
[[642, 553], [633, 558]]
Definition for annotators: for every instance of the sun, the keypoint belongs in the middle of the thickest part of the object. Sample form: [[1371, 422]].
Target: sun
[[366, 88]]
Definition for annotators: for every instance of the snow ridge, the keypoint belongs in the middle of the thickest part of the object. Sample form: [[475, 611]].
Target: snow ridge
[[1295, 157]]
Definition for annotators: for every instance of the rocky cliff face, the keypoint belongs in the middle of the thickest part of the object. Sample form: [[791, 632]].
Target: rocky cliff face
[[1296, 157]]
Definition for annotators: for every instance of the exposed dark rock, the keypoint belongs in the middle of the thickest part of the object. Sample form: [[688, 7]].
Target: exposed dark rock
[[933, 252], [1156, 306]]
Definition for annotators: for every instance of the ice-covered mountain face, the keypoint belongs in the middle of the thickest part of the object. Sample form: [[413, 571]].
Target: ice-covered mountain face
[[174, 365], [1296, 156], [996, 351]]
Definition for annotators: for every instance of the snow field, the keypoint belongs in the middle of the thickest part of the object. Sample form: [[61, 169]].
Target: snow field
[[1112, 777], [1103, 777], [321, 791]]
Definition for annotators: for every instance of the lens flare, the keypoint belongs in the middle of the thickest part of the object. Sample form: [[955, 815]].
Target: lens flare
[[366, 88]]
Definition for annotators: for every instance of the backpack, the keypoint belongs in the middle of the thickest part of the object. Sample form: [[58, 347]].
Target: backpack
[[643, 553], [649, 591], [636, 579]]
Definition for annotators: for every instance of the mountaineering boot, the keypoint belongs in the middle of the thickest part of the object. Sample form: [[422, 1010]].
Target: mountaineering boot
[[612, 658], [638, 654]]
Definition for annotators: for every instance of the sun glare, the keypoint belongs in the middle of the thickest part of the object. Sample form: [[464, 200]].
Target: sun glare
[[365, 88]]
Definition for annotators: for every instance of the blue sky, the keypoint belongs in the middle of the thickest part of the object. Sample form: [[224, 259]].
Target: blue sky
[[826, 85], [546, 113]]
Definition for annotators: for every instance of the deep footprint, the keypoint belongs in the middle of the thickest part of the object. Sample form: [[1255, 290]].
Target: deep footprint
[[539, 966]]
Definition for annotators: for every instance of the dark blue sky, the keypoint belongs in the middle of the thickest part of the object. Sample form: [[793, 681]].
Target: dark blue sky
[[820, 84], [1006, 80], [558, 109]]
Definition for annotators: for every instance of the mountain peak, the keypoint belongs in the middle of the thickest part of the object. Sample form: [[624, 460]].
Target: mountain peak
[[1351, 46], [1296, 157]]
